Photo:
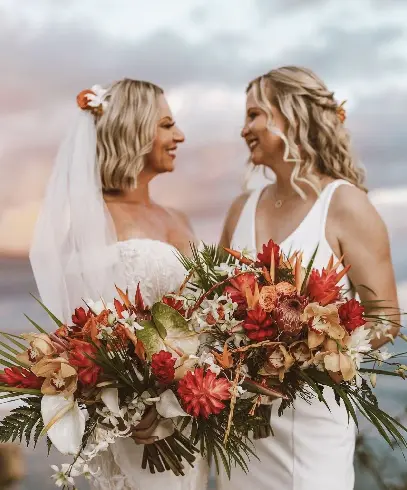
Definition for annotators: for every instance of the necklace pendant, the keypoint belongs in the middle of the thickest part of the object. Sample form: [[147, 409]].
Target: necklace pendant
[[278, 203]]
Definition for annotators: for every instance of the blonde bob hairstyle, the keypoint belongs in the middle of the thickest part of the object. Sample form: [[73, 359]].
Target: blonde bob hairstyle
[[312, 125], [125, 132]]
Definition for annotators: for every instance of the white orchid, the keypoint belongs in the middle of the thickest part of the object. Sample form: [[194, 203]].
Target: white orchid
[[61, 476], [381, 355], [358, 344], [97, 98], [381, 329], [98, 306]]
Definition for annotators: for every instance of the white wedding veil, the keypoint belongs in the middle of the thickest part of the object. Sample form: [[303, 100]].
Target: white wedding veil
[[73, 253]]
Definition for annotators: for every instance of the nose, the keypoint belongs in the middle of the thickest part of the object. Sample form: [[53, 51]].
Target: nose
[[179, 136], [244, 132]]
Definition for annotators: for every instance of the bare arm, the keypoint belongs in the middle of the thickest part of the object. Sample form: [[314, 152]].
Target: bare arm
[[364, 242], [231, 220]]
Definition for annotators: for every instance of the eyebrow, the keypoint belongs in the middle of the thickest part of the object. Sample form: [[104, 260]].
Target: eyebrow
[[166, 117], [252, 108]]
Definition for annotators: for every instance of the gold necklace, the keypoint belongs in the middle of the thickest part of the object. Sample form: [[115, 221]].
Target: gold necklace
[[279, 202]]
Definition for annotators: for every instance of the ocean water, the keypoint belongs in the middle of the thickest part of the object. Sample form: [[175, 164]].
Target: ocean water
[[16, 282]]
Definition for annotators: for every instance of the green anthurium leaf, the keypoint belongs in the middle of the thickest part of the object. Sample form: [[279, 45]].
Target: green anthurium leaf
[[151, 339], [174, 329]]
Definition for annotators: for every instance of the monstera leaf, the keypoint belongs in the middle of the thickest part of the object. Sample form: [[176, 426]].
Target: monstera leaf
[[169, 331]]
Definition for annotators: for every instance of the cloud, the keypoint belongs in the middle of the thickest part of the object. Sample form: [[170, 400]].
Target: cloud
[[347, 54]]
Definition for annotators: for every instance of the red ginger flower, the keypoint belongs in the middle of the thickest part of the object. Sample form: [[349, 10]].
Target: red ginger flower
[[238, 286], [203, 393], [20, 377], [258, 324], [265, 256], [322, 287], [351, 315], [80, 317], [162, 365], [81, 357]]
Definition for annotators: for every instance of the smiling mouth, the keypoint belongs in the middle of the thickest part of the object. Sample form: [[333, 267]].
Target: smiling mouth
[[252, 144], [172, 152]]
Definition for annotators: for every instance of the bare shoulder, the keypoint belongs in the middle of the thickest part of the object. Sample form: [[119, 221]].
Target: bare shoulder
[[353, 213], [180, 216], [232, 218]]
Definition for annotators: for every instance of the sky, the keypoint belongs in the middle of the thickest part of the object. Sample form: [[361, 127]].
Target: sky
[[203, 53]]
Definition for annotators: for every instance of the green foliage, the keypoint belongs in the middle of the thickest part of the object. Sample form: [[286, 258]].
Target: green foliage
[[24, 421]]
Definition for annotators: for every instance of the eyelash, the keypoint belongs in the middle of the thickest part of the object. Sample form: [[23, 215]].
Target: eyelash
[[252, 115], [169, 126]]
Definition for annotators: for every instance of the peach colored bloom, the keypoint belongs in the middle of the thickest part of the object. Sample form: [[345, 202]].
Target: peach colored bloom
[[40, 346], [60, 376], [300, 352], [83, 100], [268, 298], [278, 363], [323, 322], [285, 288]]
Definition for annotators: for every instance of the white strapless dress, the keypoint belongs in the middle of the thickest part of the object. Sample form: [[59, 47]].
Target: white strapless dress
[[154, 265], [312, 447]]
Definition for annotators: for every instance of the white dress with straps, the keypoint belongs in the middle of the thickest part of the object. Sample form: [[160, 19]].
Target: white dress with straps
[[312, 447]]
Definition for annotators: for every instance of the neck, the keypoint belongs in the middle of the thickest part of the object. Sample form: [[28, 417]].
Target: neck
[[139, 195]]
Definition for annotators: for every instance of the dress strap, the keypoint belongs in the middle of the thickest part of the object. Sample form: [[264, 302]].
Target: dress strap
[[326, 199], [244, 235]]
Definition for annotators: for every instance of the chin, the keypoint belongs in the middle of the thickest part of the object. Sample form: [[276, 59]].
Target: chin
[[257, 158]]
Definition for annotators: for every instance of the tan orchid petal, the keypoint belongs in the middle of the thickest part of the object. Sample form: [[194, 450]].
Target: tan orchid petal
[[332, 363], [288, 359], [315, 339], [300, 351], [23, 357], [48, 388], [67, 370], [336, 332], [330, 345], [348, 369]]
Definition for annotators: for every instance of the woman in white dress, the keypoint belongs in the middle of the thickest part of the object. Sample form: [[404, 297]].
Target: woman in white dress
[[99, 227], [294, 127]]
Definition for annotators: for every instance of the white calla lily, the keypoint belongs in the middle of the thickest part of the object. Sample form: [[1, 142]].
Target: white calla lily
[[168, 406], [64, 422], [110, 397]]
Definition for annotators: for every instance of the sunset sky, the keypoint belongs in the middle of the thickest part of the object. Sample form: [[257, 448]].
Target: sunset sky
[[203, 53]]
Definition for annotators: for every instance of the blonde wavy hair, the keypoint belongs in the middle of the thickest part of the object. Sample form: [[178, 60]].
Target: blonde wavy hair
[[310, 111], [125, 132]]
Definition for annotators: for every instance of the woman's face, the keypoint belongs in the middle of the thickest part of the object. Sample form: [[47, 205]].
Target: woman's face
[[168, 136], [265, 147]]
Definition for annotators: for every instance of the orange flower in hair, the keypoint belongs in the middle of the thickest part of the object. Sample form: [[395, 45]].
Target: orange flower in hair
[[83, 100], [341, 112], [93, 99]]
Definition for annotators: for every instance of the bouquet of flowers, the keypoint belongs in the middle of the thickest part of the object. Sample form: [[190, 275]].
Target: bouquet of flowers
[[126, 366], [291, 328], [203, 364]]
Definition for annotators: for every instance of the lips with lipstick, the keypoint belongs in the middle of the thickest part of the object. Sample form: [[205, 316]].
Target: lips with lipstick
[[172, 152]]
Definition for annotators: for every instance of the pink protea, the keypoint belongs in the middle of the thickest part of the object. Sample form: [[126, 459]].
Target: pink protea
[[287, 314], [202, 393]]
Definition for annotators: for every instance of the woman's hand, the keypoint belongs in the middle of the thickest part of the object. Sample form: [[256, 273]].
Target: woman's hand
[[142, 432]]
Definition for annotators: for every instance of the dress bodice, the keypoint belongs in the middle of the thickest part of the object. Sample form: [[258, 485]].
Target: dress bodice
[[152, 263]]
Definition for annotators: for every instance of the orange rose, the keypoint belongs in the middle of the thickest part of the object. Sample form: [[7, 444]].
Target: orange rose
[[82, 99], [268, 298], [285, 288]]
